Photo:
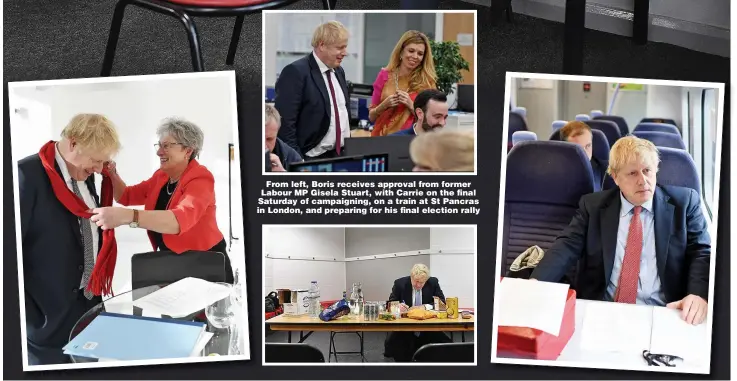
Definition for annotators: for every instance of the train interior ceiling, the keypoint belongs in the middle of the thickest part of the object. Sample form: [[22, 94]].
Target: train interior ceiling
[[681, 121]]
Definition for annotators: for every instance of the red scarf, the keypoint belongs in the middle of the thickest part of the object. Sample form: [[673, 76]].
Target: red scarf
[[101, 281]]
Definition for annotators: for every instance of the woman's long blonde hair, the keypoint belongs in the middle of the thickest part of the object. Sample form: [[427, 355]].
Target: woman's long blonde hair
[[424, 76], [444, 151]]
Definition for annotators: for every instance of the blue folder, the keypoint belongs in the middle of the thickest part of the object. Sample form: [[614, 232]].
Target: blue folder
[[127, 337]]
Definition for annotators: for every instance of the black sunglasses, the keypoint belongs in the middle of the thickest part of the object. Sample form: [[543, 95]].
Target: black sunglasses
[[658, 360]]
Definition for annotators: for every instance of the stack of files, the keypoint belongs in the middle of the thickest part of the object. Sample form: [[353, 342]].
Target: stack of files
[[120, 337]]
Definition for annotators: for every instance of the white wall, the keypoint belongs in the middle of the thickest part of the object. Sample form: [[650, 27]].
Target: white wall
[[137, 107], [665, 102], [327, 244], [543, 107], [631, 105], [270, 47], [455, 271]]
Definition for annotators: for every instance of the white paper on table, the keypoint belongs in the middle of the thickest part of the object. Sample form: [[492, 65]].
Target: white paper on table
[[616, 327], [671, 335], [183, 298], [531, 304]]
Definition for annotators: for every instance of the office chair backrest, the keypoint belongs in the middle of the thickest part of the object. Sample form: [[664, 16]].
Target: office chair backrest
[[165, 267], [292, 353], [678, 168], [624, 129], [661, 139], [444, 352], [609, 128], [544, 183], [658, 127], [516, 123], [558, 124], [523, 136], [660, 120], [521, 111]]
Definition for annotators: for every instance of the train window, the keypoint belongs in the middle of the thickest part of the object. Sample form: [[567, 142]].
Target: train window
[[708, 146]]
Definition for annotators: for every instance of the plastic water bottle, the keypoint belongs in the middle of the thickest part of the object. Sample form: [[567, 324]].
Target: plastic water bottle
[[314, 295]]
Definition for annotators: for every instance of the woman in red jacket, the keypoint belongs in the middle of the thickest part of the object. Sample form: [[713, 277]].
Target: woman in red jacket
[[179, 199]]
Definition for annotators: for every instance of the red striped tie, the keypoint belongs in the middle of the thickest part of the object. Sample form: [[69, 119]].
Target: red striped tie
[[630, 274]]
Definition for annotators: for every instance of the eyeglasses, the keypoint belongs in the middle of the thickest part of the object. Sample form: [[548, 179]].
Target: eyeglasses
[[658, 360], [166, 146]]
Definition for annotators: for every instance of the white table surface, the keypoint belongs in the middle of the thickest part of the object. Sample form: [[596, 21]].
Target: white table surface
[[574, 352]]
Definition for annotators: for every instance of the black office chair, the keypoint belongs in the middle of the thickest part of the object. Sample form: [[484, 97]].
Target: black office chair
[[165, 267], [292, 352], [445, 352]]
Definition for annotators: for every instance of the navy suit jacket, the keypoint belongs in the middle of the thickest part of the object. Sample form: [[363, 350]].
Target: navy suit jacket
[[682, 244], [304, 104], [402, 291], [287, 155], [53, 256]]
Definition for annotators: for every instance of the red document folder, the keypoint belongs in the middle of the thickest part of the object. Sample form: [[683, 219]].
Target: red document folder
[[529, 343]]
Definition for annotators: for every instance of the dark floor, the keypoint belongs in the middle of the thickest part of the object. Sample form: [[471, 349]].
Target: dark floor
[[66, 39], [373, 344]]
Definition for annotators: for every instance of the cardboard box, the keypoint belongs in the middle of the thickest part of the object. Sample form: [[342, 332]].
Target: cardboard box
[[534, 344], [299, 304]]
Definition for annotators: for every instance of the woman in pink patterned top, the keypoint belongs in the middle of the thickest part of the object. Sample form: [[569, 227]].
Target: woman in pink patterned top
[[410, 70]]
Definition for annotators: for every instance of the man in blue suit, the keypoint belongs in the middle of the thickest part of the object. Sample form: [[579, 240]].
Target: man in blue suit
[[312, 96], [59, 248], [580, 133], [637, 243], [431, 113], [418, 290]]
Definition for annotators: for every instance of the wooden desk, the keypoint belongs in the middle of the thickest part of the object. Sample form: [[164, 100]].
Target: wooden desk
[[360, 133], [346, 324]]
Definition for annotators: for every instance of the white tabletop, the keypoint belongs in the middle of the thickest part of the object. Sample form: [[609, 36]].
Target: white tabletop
[[630, 329]]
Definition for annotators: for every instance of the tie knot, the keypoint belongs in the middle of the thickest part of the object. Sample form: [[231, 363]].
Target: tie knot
[[637, 210]]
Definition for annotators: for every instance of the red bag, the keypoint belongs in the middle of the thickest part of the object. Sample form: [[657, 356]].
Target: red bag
[[534, 344]]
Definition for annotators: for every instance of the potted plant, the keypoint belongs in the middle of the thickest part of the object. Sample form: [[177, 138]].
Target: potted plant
[[448, 64]]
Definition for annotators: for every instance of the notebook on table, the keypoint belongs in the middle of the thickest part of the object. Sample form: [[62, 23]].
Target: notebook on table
[[121, 337]]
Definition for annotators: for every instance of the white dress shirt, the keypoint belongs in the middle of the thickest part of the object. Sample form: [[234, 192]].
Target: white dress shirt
[[328, 141], [417, 294], [86, 195]]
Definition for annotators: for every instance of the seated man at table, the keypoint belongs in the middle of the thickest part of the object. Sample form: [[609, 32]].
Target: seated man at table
[[637, 243], [414, 291]]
